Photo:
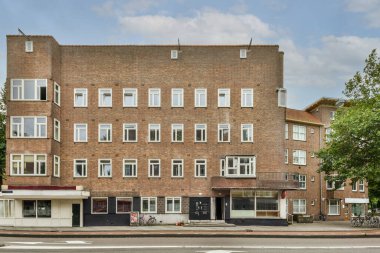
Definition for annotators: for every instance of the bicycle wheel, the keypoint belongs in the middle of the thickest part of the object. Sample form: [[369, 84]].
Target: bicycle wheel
[[151, 221]]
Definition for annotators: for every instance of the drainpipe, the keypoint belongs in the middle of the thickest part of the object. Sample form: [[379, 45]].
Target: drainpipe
[[320, 174]]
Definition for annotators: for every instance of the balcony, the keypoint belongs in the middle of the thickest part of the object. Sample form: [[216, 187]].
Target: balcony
[[263, 180]]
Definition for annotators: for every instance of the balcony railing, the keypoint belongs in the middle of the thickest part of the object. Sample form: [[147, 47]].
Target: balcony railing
[[263, 180]]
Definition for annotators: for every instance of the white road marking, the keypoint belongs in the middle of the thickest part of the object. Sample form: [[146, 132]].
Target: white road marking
[[36, 247], [77, 242], [220, 251]]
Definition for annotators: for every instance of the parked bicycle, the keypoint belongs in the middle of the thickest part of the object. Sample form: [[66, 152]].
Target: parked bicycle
[[143, 220], [367, 220]]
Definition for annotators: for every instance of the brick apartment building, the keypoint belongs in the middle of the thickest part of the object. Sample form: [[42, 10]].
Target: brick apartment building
[[189, 133]]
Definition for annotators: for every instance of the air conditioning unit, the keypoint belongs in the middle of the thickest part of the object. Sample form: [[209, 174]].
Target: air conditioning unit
[[174, 54]]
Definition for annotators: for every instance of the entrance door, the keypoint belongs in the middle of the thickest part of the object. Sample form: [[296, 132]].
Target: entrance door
[[199, 208], [76, 215], [219, 208]]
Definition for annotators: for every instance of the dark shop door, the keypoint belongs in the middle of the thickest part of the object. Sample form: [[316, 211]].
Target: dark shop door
[[219, 204], [76, 215], [199, 208]]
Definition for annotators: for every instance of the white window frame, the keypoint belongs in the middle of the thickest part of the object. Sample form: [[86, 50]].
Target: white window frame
[[337, 205], [29, 46], [21, 163], [177, 92], [286, 156], [134, 93], [243, 53], [8, 207], [21, 90], [149, 205], [355, 183], [76, 137], [57, 94], [83, 166], [249, 128], [131, 162], [135, 126], [57, 130], [298, 155], [56, 166], [152, 93], [21, 127], [227, 94], [197, 97], [299, 133], [203, 129], [220, 134], [92, 206], [157, 130], [222, 165], [149, 167], [108, 128], [177, 128], [173, 199], [332, 187], [303, 181], [300, 206], [180, 168], [286, 131], [127, 198], [100, 163], [101, 93], [282, 97], [197, 164], [246, 101], [84, 93], [236, 166], [174, 54], [361, 186]]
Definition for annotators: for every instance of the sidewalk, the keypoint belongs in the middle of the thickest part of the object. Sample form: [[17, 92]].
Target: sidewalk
[[311, 230]]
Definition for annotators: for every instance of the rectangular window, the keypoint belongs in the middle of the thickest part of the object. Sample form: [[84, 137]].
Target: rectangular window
[[80, 168], [154, 132], [124, 205], [105, 168], [80, 97], [281, 97], [36, 208], [154, 168], [302, 181], [246, 133], [200, 133], [334, 207], [246, 97], [28, 46], [223, 97], [57, 166], [223, 132], [105, 132], [200, 168], [200, 98], [361, 185], [80, 132], [299, 157], [327, 134], [243, 53], [334, 185], [130, 97], [173, 205], [28, 165], [129, 168], [154, 97], [286, 131], [177, 97], [286, 156], [299, 133], [28, 89], [148, 205], [57, 94], [177, 132], [222, 167], [332, 115], [130, 132], [7, 208], [105, 97], [57, 130], [354, 186], [299, 206], [174, 54], [28, 127], [240, 166], [177, 168], [99, 205]]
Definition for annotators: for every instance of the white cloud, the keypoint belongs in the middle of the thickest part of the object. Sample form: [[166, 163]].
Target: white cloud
[[206, 26], [330, 65], [370, 8], [130, 7]]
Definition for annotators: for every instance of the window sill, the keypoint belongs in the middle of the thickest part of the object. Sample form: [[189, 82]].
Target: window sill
[[28, 175]]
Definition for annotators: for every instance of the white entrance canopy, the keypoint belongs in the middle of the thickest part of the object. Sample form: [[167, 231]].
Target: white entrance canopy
[[44, 194], [356, 200]]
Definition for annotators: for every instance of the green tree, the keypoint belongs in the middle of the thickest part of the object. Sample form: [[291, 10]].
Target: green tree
[[3, 120], [354, 147]]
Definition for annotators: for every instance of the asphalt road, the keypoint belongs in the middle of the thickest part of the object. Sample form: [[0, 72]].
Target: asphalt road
[[190, 245]]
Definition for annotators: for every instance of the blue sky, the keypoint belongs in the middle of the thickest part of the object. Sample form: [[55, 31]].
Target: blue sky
[[325, 42]]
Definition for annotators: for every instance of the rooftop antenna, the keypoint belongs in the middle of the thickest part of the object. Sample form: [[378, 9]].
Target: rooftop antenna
[[250, 43], [22, 33], [179, 46]]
